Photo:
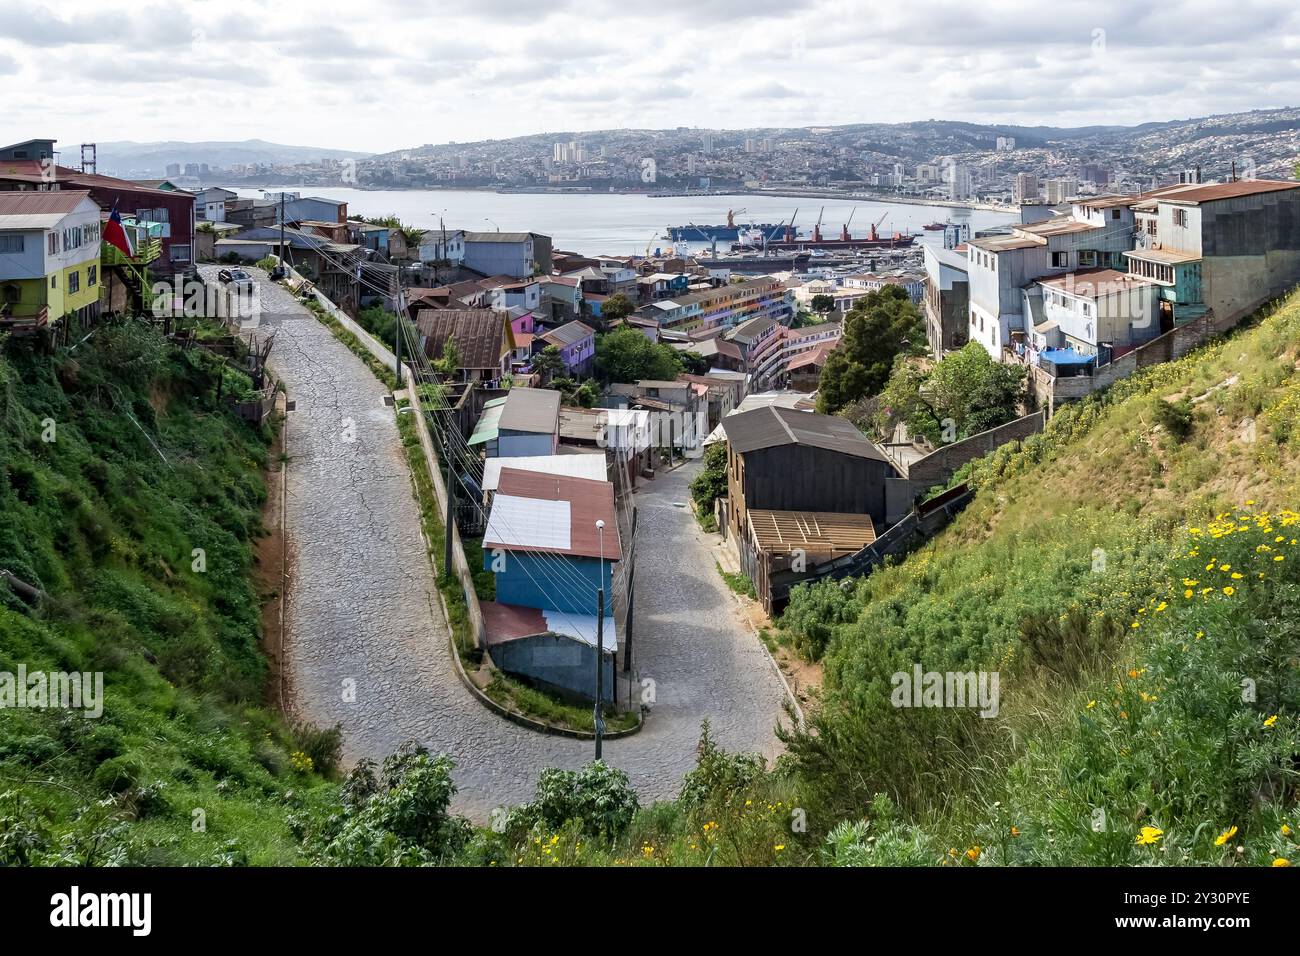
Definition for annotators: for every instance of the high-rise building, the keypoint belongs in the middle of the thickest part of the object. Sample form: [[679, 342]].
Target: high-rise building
[[1025, 188], [707, 140], [1061, 189], [1005, 144], [749, 148], [960, 182], [173, 169]]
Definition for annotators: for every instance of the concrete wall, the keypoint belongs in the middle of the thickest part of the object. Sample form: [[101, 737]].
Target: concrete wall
[[940, 465], [556, 663]]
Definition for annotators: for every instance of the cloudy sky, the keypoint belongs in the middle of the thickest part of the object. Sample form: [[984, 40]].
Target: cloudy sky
[[377, 75]]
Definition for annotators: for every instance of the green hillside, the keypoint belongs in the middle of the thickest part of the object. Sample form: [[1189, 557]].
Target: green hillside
[[1131, 575], [133, 502], [1136, 521]]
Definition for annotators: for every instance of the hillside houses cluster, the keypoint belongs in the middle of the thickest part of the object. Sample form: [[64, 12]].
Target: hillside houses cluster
[[1105, 285]]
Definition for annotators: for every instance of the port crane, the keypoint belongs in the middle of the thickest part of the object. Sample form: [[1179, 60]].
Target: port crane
[[817, 229], [844, 233], [876, 225]]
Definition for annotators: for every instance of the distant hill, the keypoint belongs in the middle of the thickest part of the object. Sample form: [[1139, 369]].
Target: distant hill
[[151, 159]]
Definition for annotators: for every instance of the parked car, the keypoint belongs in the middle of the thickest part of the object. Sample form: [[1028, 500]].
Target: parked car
[[240, 279]]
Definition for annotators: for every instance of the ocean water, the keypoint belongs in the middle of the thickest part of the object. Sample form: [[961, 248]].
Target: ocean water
[[622, 224]]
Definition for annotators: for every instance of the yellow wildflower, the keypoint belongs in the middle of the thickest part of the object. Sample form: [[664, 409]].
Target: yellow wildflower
[[1149, 836], [1225, 836]]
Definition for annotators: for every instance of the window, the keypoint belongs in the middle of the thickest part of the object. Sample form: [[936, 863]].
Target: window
[[54, 282], [1087, 257], [74, 283], [180, 253], [1114, 214], [11, 245], [1180, 217], [1060, 260], [92, 275], [52, 245]]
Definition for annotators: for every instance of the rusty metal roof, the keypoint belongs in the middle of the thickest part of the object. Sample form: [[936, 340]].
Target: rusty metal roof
[[1195, 193], [31, 202], [479, 334], [588, 502]]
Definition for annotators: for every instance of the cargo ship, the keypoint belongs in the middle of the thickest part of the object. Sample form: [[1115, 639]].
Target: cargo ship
[[934, 226], [845, 242], [728, 233]]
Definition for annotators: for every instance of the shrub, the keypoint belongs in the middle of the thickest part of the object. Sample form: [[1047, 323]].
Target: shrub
[[598, 798], [1175, 418]]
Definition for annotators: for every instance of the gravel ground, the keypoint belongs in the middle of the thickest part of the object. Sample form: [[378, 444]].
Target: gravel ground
[[366, 645]]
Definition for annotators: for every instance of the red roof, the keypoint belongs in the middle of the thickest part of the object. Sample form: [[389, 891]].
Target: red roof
[[589, 502], [40, 202]]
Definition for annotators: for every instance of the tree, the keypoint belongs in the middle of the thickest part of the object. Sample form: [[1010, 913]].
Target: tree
[[449, 364], [822, 303], [967, 392], [617, 306], [694, 362], [548, 363], [877, 330], [625, 355], [711, 483]]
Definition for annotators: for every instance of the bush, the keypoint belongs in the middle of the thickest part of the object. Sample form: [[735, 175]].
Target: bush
[[119, 774], [1175, 418], [598, 798]]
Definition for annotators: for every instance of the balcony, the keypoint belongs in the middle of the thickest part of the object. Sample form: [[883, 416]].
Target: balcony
[[146, 251]]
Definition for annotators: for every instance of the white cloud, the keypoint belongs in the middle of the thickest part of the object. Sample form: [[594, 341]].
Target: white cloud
[[389, 73]]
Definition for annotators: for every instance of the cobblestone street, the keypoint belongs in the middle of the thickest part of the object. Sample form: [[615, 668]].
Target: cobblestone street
[[366, 645]]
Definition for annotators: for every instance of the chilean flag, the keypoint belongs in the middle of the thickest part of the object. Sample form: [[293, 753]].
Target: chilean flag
[[116, 235]]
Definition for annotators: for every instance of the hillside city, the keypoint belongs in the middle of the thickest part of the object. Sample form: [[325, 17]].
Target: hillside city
[[344, 530], [936, 159]]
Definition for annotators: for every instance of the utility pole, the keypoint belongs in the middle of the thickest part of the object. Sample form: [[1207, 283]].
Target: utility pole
[[631, 600], [451, 498], [282, 228], [400, 301], [598, 718]]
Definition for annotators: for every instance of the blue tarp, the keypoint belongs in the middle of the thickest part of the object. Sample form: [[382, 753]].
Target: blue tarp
[[1065, 357]]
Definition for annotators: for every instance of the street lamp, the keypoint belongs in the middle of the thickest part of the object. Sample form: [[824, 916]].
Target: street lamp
[[493, 221], [598, 718]]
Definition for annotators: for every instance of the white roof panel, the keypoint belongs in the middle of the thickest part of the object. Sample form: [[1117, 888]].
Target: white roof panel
[[574, 466], [528, 523]]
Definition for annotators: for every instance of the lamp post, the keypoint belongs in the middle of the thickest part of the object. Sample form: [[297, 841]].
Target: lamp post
[[598, 718], [486, 219]]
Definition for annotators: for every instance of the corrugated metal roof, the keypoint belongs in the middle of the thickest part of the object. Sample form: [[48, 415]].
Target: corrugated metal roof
[[772, 426], [497, 236], [1095, 282], [585, 502], [38, 209], [1209, 192], [478, 333], [568, 333], [591, 467], [532, 410], [489, 423]]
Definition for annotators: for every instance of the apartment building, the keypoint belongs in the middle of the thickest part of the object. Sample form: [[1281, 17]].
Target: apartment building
[[762, 297]]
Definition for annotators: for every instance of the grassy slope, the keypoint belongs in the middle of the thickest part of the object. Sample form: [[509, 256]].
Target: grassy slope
[[109, 529], [1043, 577]]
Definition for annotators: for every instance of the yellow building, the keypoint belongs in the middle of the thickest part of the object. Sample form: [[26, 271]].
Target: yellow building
[[49, 258]]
